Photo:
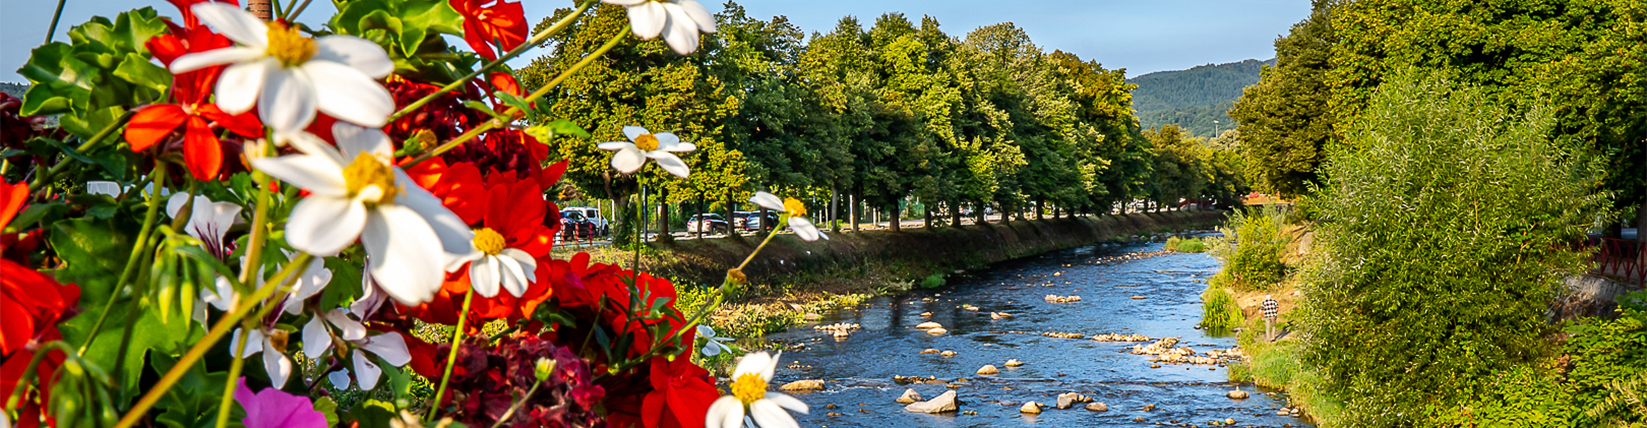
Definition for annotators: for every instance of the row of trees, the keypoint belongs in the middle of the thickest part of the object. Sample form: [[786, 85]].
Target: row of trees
[[875, 115]]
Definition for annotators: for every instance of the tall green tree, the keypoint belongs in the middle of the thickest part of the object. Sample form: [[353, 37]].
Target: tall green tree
[[1284, 120]]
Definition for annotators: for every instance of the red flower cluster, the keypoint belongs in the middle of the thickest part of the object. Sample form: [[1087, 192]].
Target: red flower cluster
[[487, 379], [503, 23], [202, 151], [31, 305]]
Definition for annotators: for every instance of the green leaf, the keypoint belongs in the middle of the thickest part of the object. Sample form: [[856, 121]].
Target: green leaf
[[327, 407], [558, 127], [139, 71], [345, 284], [36, 213], [192, 401], [87, 125], [372, 414], [514, 101], [149, 333], [59, 80], [94, 252], [477, 105], [132, 29]]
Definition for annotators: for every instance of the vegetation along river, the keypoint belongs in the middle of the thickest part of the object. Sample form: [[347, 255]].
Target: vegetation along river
[[859, 370]]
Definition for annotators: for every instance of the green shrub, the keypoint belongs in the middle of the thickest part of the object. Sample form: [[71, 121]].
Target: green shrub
[[933, 281], [1251, 248], [1444, 232], [1219, 312], [1186, 245]]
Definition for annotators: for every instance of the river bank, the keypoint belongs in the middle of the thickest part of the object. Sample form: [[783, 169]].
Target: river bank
[[792, 278]]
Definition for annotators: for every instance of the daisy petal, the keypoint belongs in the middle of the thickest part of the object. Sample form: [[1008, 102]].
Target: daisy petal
[[404, 252], [528, 265], [624, 2], [277, 366], [483, 275], [348, 94], [239, 85], [199, 60], [325, 225], [666, 139], [768, 415], [628, 160], [340, 379], [615, 145], [231, 22], [455, 236], [353, 140], [315, 339], [771, 366], [632, 132], [347, 328], [287, 103], [365, 370], [787, 402], [752, 364], [699, 15], [647, 19], [768, 201], [514, 280], [319, 174], [670, 163], [355, 52], [725, 412], [254, 342], [681, 33], [804, 228]]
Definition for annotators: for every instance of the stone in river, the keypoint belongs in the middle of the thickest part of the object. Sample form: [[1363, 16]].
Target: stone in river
[[1139, 297], [1014, 363], [1149, 407], [988, 369], [1030, 408], [1098, 407], [931, 351], [1237, 394], [926, 315], [1229, 421], [940, 404], [949, 353], [1068, 399], [928, 325], [909, 397], [803, 385]]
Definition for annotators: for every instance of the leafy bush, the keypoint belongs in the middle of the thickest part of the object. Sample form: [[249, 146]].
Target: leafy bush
[[1219, 312], [1251, 249], [1187, 245], [1443, 237], [933, 281]]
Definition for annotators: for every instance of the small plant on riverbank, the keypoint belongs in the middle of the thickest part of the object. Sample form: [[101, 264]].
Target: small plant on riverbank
[[933, 281], [1186, 245], [1251, 249], [1219, 311]]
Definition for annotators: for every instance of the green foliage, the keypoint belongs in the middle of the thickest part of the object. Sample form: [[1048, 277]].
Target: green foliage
[[1219, 312], [1251, 249], [1440, 248], [933, 281], [104, 68], [1193, 98], [1284, 121], [1187, 245]]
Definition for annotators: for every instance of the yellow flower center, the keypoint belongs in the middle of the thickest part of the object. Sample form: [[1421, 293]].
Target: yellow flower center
[[647, 142], [748, 388], [288, 45], [488, 241], [370, 178], [794, 207]]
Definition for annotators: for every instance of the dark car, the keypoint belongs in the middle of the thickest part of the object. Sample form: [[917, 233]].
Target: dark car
[[708, 223], [751, 220], [575, 227]]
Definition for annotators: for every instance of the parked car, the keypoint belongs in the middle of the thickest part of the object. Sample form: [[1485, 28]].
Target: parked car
[[751, 220], [575, 227], [592, 215], [708, 223]]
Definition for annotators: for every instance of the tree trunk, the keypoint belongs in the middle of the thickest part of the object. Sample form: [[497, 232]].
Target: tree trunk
[[955, 214], [852, 210], [928, 215], [701, 210], [764, 225], [834, 210], [896, 216], [262, 9], [1040, 209], [731, 206], [663, 217]]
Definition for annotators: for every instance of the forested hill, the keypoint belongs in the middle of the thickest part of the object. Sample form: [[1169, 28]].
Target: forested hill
[[1193, 98]]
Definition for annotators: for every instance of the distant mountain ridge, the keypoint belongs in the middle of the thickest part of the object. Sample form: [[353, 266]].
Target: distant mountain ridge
[[14, 89], [1194, 98]]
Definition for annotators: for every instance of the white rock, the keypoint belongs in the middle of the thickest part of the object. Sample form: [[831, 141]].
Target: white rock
[[1237, 394], [937, 331], [1014, 363], [1031, 408], [940, 404], [803, 385], [909, 397], [928, 325], [988, 369], [1098, 407]]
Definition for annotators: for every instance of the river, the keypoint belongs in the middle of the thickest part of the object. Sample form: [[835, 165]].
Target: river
[[858, 370]]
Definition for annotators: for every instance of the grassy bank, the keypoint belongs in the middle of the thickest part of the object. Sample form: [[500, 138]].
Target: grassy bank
[[792, 277]]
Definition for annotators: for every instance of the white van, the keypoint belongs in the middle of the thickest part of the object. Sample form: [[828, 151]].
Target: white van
[[593, 214]]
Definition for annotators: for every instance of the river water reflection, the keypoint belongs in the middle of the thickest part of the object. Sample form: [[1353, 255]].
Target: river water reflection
[[858, 370]]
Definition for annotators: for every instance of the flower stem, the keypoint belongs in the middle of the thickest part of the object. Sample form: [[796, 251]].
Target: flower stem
[[55, 16], [226, 406], [138, 248], [218, 330], [30, 372], [260, 230], [43, 178], [514, 113], [518, 404], [517, 51], [451, 357]]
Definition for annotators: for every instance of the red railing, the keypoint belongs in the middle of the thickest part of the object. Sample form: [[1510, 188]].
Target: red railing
[[1619, 258]]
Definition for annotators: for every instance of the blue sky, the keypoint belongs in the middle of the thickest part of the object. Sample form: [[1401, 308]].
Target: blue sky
[[1141, 36]]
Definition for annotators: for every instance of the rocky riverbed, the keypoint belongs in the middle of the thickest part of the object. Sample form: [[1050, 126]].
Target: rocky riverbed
[[1123, 353]]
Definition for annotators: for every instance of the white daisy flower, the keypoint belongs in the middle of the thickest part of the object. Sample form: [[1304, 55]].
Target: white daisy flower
[[357, 192], [271, 343], [750, 397], [390, 347], [795, 212], [289, 75], [714, 345], [678, 21], [631, 156], [314, 278], [492, 264]]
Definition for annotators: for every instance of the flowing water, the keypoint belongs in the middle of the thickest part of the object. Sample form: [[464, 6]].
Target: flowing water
[[858, 370]]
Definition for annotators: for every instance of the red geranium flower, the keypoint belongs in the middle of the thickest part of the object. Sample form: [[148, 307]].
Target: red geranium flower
[[503, 23], [31, 305], [201, 149], [681, 394]]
